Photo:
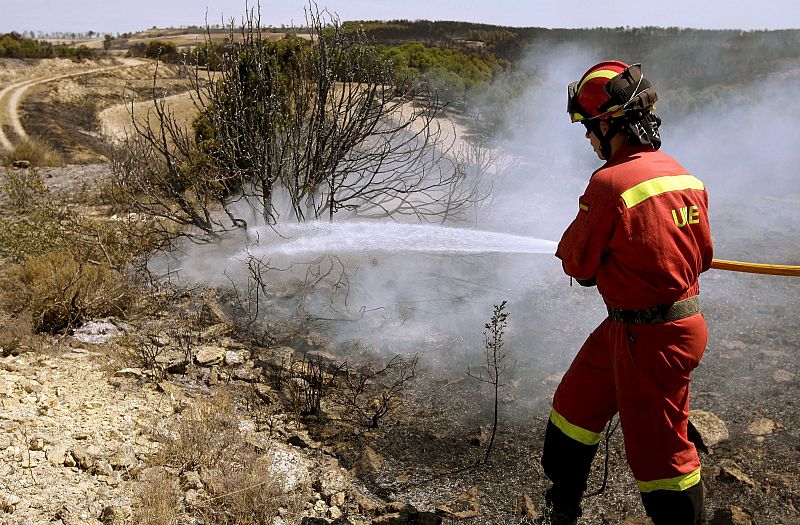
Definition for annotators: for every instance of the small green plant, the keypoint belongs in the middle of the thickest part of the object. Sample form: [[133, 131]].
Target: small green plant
[[22, 188], [494, 365]]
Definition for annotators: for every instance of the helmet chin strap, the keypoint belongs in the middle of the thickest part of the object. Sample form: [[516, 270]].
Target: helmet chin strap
[[605, 139]]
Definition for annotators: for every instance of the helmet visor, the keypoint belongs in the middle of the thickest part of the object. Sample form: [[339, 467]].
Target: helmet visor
[[573, 108]]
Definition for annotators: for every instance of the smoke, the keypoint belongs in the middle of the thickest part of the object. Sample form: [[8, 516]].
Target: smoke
[[740, 144]]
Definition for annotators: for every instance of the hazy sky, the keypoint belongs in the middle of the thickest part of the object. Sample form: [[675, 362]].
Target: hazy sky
[[132, 15]]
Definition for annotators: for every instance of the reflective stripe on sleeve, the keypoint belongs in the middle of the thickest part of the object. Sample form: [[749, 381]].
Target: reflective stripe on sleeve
[[677, 483], [581, 435], [650, 188]]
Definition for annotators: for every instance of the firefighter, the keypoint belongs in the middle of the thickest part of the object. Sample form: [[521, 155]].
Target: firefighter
[[642, 237]]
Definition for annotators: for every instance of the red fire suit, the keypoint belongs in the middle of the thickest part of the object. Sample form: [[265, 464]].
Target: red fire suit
[[642, 234]]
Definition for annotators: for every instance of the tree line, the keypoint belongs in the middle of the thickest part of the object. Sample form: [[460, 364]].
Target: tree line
[[14, 45]]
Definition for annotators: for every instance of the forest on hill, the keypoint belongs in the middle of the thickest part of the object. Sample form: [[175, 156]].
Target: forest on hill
[[695, 63]]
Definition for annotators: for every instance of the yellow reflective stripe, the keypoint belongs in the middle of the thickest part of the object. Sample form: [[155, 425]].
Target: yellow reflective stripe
[[581, 435], [601, 73], [650, 188], [584, 207], [677, 483]]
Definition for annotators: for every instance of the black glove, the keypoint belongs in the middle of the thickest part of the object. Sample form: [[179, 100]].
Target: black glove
[[587, 282]]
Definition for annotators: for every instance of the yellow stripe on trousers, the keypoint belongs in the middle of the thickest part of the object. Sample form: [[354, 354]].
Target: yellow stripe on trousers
[[581, 435], [677, 483]]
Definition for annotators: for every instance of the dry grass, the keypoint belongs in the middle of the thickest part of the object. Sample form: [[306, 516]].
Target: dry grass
[[35, 151], [157, 500], [237, 485], [58, 292], [16, 333]]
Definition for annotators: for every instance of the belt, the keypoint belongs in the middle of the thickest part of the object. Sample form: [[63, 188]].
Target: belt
[[656, 314]]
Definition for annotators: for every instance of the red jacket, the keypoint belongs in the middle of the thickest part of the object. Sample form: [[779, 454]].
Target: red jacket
[[641, 231]]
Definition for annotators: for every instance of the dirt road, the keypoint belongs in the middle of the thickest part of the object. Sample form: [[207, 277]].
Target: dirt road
[[12, 94]]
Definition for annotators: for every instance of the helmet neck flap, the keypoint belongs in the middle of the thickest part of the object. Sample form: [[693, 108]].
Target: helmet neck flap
[[627, 103]]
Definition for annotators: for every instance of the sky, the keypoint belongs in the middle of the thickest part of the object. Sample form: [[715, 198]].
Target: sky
[[114, 16]]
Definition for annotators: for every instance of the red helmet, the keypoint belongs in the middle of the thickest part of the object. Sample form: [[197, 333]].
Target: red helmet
[[609, 90]]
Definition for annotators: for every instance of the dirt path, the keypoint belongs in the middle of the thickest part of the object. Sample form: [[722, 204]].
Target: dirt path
[[11, 96]]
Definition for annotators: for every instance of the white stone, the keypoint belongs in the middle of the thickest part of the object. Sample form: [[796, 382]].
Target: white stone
[[209, 355]]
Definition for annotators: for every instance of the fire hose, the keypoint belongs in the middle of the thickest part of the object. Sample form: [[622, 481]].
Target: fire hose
[[748, 267]]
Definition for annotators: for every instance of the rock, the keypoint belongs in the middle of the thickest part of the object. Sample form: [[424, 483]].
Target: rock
[[172, 391], [731, 516], [8, 502], [480, 437], [635, 521], [265, 393], [36, 444], [69, 460], [406, 516], [465, 506], [209, 355], [56, 454], [332, 483], [103, 468], [135, 373], [30, 386], [97, 332], [191, 480], [526, 508], [782, 376], [21, 164], [215, 332], [123, 459], [711, 430], [369, 461], [762, 427], [114, 515], [333, 513], [233, 358], [247, 374], [82, 458], [730, 472], [301, 440], [365, 504], [278, 357]]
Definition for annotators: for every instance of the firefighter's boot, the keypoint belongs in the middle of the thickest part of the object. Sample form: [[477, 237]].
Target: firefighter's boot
[[553, 517], [566, 462]]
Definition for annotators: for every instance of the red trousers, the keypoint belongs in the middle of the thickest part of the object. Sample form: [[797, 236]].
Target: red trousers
[[640, 371]]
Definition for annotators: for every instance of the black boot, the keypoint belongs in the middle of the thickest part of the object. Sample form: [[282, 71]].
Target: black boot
[[567, 463], [675, 507], [552, 517]]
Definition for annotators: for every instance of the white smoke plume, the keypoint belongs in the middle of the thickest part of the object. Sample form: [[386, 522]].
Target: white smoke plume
[[404, 299]]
